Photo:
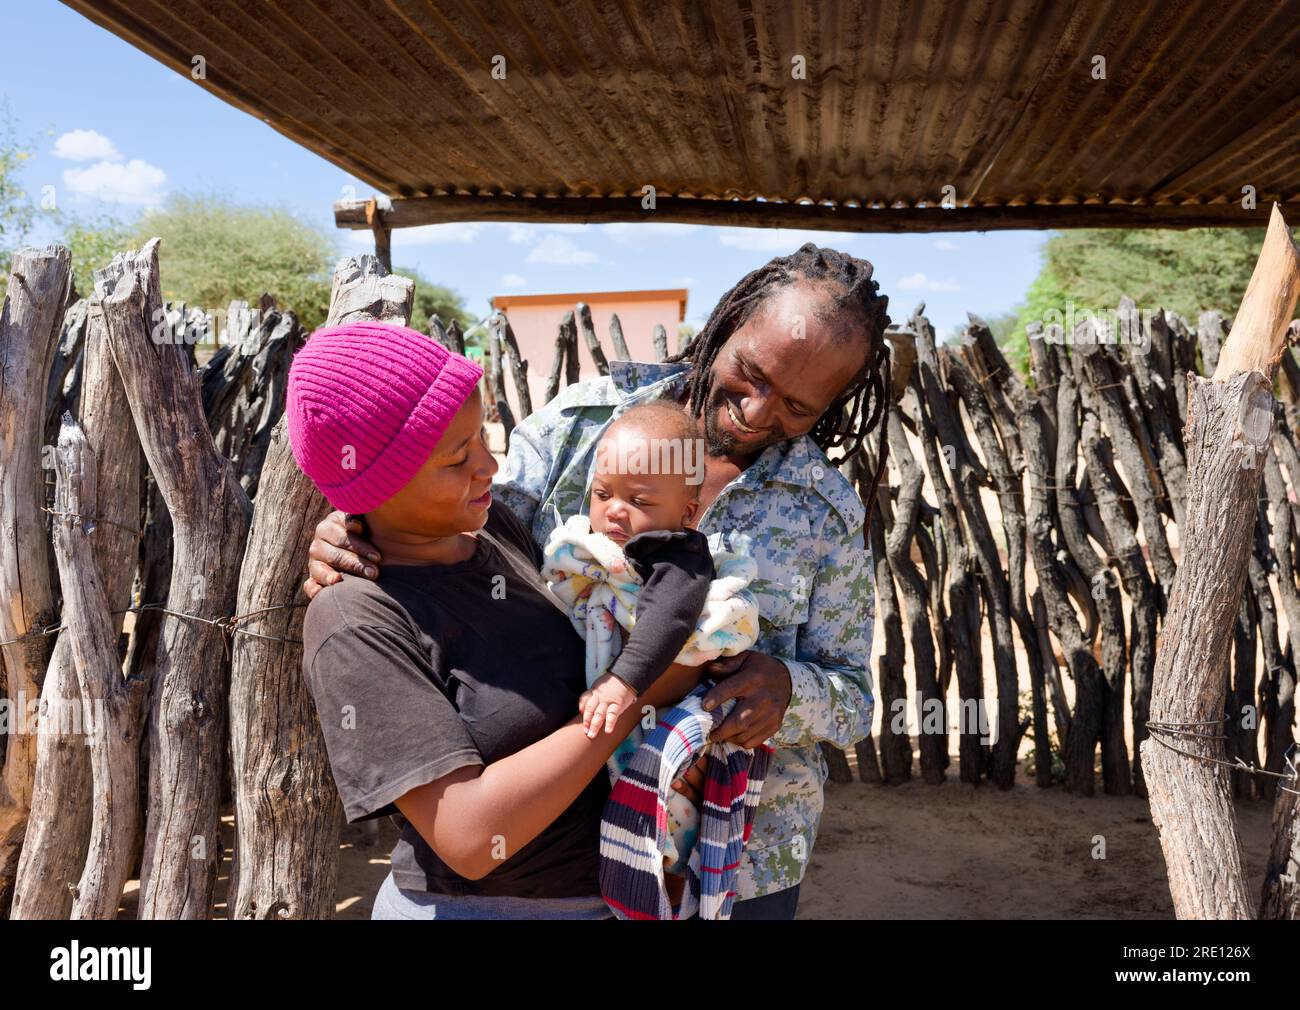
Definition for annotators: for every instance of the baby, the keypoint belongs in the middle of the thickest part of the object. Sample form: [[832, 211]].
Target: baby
[[675, 571], [641, 584]]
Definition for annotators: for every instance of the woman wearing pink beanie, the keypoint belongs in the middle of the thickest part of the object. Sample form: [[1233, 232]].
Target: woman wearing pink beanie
[[446, 687]]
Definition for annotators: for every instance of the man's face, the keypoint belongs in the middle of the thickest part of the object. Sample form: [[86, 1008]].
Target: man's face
[[777, 374]]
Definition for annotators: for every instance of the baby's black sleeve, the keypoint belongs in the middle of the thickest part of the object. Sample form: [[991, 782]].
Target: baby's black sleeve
[[676, 569]]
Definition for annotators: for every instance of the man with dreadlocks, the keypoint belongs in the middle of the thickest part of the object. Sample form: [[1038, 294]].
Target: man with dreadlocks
[[791, 363]]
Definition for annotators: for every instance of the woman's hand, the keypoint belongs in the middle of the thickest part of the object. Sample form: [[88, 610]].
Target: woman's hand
[[337, 549]]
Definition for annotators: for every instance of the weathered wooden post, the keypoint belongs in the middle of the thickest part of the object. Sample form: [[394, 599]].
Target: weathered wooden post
[[557, 366], [497, 380], [116, 703], [589, 334], [1191, 802], [660, 340], [210, 515], [616, 335], [59, 828], [39, 283], [287, 812], [518, 366]]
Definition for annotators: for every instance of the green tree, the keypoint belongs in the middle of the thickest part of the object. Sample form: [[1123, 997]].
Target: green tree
[[93, 243], [214, 251], [16, 210], [1186, 271], [435, 299]]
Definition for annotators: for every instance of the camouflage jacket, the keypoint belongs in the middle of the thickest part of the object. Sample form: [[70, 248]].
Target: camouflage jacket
[[814, 588]]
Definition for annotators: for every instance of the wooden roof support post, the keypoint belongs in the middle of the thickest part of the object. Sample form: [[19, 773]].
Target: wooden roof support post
[[382, 232], [287, 812], [1229, 424]]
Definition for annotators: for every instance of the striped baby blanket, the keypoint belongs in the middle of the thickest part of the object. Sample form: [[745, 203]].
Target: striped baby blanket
[[635, 823]]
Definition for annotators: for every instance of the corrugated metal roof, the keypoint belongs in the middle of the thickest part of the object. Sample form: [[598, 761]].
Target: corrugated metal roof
[[998, 100]]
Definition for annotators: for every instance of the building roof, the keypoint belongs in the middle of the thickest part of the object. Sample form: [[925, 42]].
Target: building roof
[[859, 115], [678, 295]]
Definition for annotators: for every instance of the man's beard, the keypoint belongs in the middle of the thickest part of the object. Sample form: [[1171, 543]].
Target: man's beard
[[719, 442]]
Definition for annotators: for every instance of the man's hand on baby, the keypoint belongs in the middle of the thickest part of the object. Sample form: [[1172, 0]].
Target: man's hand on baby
[[337, 549], [608, 698], [762, 689]]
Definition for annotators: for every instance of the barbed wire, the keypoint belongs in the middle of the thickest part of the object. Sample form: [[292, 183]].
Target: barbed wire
[[1180, 729], [95, 520], [224, 624]]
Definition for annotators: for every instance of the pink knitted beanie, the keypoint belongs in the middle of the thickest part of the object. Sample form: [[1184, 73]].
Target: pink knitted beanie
[[367, 402]]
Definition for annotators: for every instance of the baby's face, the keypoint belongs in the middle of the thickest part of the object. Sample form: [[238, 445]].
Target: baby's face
[[625, 503]]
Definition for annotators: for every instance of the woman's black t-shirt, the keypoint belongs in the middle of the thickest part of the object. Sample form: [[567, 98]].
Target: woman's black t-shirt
[[435, 667]]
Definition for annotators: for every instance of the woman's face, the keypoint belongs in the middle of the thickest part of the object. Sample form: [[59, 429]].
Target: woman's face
[[778, 373], [451, 492]]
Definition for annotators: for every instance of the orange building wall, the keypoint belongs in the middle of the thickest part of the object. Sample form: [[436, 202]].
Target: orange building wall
[[535, 320]]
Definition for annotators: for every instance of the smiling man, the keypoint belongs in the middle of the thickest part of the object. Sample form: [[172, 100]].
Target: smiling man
[[792, 362]]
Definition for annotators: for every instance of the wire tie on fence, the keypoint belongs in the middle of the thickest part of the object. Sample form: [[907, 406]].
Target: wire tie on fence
[[85, 519], [1236, 764], [225, 624]]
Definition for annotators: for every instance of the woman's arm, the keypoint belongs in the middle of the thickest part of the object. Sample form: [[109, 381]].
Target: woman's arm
[[475, 817]]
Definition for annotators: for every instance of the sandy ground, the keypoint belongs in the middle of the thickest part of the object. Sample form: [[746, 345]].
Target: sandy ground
[[950, 851]]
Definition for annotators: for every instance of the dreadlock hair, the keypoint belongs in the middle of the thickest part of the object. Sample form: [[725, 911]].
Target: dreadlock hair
[[853, 294]]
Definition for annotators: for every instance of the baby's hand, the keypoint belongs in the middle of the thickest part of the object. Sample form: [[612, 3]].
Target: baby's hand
[[608, 698]]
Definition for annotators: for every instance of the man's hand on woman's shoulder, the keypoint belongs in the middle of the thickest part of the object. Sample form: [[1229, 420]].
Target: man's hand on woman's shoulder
[[338, 548]]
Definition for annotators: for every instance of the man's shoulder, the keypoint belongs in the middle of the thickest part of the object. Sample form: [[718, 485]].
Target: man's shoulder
[[825, 487]]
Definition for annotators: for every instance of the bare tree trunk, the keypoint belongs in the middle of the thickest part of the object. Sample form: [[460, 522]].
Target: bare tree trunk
[[590, 336], [210, 513], [896, 749], [39, 282], [287, 811], [616, 335], [1191, 803], [1281, 892], [518, 366], [59, 827], [497, 381], [968, 475], [572, 366], [660, 339], [115, 738], [933, 745], [1137, 582], [557, 362]]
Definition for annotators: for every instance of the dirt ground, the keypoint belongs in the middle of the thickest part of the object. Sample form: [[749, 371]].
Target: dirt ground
[[948, 852]]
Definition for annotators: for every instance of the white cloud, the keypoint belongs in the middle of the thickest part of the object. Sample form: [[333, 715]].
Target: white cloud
[[683, 282], [135, 182], [558, 251], [945, 245], [512, 281], [920, 282], [85, 145], [520, 232], [781, 240]]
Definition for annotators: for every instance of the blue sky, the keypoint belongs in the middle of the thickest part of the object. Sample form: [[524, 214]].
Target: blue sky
[[114, 131]]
